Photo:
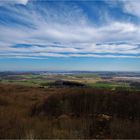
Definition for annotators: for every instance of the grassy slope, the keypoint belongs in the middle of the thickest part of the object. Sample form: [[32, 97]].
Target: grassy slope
[[32, 112]]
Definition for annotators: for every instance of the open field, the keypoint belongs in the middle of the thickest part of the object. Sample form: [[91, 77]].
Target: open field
[[95, 79], [77, 106]]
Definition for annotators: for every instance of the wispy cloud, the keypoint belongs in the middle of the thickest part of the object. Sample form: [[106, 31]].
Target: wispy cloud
[[132, 7], [11, 2], [63, 31]]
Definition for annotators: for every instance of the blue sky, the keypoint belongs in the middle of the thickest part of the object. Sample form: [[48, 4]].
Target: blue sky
[[70, 35]]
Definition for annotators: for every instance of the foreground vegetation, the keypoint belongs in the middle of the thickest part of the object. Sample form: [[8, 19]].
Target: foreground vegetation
[[33, 112]]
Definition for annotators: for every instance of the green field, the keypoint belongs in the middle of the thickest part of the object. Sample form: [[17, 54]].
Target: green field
[[106, 85], [37, 80]]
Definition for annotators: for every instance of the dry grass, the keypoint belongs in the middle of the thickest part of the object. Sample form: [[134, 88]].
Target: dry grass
[[32, 112]]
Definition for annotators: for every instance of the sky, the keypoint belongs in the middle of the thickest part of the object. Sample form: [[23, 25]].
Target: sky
[[94, 35]]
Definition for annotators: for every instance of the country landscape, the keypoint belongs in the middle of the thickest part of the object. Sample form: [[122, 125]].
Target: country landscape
[[36, 105], [69, 69]]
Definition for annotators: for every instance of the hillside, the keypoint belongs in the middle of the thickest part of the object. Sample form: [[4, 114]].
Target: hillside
[[33, 112]]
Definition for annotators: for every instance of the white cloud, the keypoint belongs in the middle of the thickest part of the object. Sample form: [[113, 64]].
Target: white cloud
[[24, 1], [128, 6], [5, 2], [132, 7], [46, 55], [72, 30]]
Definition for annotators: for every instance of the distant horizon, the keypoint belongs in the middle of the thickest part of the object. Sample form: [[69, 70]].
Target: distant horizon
[[90, 71]]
